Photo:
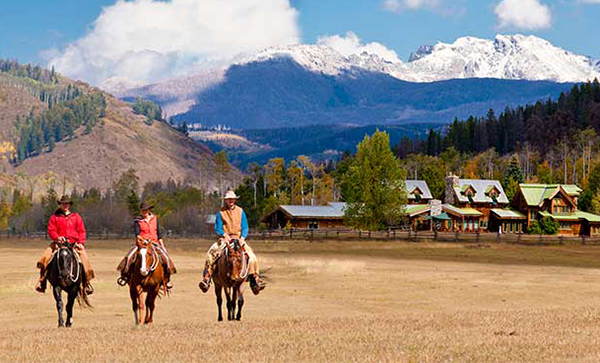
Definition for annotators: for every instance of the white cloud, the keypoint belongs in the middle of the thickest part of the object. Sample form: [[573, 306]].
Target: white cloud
[[442, 7], [523, 14], [149, 40], [351, 44], [589, 1]]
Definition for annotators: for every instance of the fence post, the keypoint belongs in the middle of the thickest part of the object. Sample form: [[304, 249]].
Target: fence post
[[498, 237], [519, 237], [338, 234], [325, 233], [582, 239], [394, 234], [435, 234], [360, 234], [369, 235], [455, 236], [561, 239]]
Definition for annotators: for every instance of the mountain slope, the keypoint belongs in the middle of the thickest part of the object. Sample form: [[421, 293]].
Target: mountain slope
[[282, 93], [119, 141]]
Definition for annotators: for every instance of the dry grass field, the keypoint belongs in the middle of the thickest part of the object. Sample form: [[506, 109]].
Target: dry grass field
[[327, 301]]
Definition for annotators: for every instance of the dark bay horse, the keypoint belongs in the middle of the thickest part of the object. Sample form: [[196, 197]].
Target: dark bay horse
[[65, 273], [147, 277], [230, 273]]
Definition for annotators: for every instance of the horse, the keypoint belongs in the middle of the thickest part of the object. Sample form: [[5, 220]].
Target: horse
[[231, 271], [65, 273], [147, 277]]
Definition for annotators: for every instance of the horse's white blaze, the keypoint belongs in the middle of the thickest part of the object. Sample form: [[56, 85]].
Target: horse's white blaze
[[143, 269]]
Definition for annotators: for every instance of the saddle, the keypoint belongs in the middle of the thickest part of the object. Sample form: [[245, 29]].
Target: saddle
[[60, 246], [225, 252]]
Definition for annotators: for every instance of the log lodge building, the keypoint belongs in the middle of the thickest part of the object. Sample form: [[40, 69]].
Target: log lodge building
[[470, 205]]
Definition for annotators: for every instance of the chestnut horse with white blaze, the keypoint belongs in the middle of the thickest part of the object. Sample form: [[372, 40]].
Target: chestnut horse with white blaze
[[230, 274], [147, 277]]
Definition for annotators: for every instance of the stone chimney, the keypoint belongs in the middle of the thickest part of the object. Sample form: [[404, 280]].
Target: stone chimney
[[451, 183], [435, 206]]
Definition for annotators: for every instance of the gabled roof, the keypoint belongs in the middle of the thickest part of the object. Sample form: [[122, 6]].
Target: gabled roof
[[422, 185], [482, 188], [470, 212], [535, 194]]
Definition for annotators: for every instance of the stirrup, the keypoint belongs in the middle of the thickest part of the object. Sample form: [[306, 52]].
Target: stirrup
[[122, 281]]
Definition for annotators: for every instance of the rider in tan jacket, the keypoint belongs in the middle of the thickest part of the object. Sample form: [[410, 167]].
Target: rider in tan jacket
[[231, 224]]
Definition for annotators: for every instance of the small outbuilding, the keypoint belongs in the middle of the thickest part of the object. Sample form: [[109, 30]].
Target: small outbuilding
[[306, 217]]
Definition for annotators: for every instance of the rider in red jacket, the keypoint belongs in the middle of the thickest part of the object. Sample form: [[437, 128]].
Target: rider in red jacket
[[65, 226]]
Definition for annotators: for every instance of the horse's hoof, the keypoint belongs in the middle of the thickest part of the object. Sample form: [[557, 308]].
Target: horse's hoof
[[68, 325], [220, 319]]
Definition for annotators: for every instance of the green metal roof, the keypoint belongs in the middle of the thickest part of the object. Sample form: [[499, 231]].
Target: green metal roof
[[462, 211], [414, 209], [507, 214], [441, 216], [592, 218], [535, 194]]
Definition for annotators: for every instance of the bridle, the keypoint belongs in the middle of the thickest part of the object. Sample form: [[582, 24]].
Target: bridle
[[245, 266], [72, 276], [142, 248]]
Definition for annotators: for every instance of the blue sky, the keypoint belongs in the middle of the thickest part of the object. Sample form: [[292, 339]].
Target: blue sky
[[39, 31]]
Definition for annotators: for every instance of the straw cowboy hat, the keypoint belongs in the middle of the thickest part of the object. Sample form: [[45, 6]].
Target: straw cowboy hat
[[64, 199], [230, 195]]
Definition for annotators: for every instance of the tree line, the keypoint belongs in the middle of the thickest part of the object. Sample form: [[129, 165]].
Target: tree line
[[182, 208]]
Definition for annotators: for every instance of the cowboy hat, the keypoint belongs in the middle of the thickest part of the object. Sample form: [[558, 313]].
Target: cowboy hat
[[230, 195], [64, 199], [145, 206]]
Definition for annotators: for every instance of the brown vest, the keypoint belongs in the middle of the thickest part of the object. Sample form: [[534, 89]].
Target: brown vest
[[232, 221]]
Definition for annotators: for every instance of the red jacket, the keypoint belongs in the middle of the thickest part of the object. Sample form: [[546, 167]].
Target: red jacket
[[147, 229], [70, 226]]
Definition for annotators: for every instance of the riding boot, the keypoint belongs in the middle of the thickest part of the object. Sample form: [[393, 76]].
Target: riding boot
[[256, 283], [168, 279], [41, 285], [204, 285]]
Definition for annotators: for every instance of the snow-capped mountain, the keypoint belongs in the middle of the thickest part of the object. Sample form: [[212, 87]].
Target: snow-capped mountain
[[505, 57], [300, 84]]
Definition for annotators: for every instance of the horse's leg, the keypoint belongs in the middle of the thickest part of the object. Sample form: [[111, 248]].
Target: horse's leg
[[150, 299], [141, 306], [133, 293], [240, 301], [230, 303], [234, 296], [70, 302], [219, 300], [56, 291]]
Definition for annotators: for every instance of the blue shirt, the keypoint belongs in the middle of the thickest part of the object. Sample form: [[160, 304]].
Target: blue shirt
[[219, 225]]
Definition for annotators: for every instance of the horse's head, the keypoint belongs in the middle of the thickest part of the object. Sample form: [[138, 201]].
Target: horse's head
[[66, 262], [146, 254], [235, 260]]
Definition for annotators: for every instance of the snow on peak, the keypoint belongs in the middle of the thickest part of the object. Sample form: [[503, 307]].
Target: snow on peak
[[506, 57]]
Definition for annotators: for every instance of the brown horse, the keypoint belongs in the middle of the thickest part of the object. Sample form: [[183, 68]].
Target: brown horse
[[146, 277], [230, 274]]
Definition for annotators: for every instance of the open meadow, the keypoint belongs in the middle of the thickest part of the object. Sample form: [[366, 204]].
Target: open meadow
[[325, 301]]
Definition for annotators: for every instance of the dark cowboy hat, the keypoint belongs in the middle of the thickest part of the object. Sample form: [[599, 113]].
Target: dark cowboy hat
[[145, 206], [64, 199]]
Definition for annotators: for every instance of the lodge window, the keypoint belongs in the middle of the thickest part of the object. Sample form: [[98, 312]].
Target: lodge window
[[313, 225], [417, 197], [483, 224], [565, 226]]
